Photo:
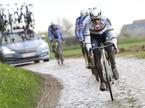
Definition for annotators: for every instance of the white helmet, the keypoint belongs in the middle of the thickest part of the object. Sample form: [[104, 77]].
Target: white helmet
[[94, 13], [52, 23], [83, 12]]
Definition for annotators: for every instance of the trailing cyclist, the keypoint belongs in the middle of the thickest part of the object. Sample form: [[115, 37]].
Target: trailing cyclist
[[55, 33], [82, 34], [101, 30]]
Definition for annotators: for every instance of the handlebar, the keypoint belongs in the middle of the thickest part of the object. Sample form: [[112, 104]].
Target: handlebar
[[102, 46]]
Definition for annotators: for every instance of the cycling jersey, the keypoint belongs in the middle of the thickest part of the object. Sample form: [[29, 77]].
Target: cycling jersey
[[79, 31], [54, 32], [98, 26]]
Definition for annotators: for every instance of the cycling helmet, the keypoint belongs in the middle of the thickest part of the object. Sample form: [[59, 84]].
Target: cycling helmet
[[94, 13], [52, 23], [84, 12]]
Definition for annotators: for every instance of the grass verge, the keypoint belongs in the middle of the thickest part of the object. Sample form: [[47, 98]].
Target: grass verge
[[19, 88], [132, 43], [140, 54], [75, 50]]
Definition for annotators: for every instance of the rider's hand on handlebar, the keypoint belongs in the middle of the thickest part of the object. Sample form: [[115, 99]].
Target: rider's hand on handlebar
[[51, 43], [116, 50], [63, 42]]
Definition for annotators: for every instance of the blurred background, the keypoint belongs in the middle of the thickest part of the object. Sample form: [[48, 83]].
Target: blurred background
[[126, 16]]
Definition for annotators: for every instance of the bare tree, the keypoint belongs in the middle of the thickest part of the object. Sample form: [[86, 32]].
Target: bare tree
[[67, 27]]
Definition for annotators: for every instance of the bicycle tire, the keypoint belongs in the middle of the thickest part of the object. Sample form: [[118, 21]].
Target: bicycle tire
[[32, 24], [60, 56], [61, 59], [94, 72], [2, 23], [57, 55], [106, 68], [84, 53]]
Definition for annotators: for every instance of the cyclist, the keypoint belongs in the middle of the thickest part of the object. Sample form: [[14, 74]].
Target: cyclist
[[82, 34], [101, 30], [54, 32], [78, 25]]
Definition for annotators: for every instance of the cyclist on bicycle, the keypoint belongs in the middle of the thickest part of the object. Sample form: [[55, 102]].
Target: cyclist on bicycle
[[101, 31], [55, 33], [82, 34]]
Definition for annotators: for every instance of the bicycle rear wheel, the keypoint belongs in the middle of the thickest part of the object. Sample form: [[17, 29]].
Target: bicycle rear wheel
[[84, 53]]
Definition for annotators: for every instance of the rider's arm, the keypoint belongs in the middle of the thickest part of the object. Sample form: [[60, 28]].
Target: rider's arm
[[77, 28], [108, 23], [112, 34], [60, 34], [86, 23]]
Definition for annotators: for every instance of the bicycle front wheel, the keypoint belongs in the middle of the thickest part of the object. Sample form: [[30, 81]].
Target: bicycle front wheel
[[94, 72], [60, 56], [107, 75]]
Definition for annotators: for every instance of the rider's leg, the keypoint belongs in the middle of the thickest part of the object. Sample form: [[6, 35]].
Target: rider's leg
[[84, 50], [84, 53], [61, 51], [111, 54], [88, 49], [97, 59], [53, 48]]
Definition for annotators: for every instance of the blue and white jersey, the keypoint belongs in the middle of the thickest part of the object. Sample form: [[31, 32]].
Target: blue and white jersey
[[98, 26], [79, 31], [54, 32]]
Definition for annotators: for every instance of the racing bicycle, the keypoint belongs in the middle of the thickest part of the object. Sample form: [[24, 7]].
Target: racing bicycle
[[107, 71], [57, 49], [85, 54]]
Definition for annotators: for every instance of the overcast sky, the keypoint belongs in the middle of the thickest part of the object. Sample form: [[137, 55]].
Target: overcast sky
[[119, 11]]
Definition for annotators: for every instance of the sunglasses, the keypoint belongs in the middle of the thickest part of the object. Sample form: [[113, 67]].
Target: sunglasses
[[95, 19]]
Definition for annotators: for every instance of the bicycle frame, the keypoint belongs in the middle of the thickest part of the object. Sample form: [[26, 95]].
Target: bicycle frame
[[19, 18], [10, 20], [2, 20], [85, 54], [29, 17], [23, 17], [58, 51], [107, 72]]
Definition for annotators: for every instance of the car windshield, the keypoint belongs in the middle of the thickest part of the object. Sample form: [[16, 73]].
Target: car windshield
[[14, 37]]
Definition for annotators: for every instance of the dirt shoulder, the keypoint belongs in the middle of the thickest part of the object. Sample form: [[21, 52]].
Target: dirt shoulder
[[50, 92]]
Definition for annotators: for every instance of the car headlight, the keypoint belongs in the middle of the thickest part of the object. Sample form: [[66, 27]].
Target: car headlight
[[43, 46], [6, 50]]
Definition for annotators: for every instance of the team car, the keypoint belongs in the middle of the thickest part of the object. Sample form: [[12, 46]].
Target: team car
[[19, 46]]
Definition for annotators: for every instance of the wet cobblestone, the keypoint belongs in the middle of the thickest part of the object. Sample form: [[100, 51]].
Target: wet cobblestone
[[81, 90]]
